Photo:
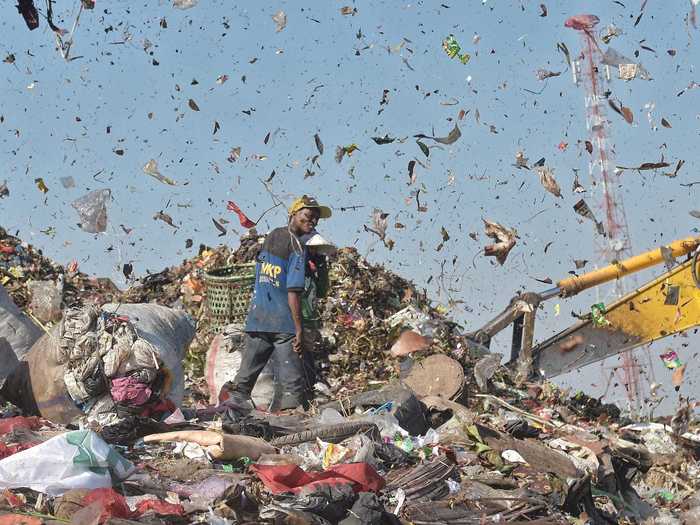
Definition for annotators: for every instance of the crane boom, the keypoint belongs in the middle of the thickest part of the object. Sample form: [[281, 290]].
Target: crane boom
[[665, 306], [668, 305]]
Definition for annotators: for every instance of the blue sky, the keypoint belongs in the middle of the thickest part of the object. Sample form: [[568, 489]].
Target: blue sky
[[325, 73]]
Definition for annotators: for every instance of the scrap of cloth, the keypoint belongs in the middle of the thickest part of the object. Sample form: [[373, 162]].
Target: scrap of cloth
[[291, 478], [130, 391]]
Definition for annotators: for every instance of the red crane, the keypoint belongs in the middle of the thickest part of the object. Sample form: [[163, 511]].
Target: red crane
[[615, 245]]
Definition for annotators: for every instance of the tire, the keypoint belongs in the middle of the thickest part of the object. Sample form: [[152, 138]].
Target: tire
[[330, 433]]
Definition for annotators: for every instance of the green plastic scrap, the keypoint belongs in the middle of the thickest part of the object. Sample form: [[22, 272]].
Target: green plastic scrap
[[666, 495], [598, 312], [238, 465], [405, 444], [452, 48]]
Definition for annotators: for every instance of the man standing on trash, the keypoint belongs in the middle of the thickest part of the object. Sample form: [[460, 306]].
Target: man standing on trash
[[274, 321], [316, 287]]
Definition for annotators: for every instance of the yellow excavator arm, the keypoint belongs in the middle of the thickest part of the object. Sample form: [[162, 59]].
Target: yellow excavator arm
[[665, 306]]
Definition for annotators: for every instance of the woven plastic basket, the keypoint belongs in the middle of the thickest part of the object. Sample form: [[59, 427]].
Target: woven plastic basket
[[229, 290]]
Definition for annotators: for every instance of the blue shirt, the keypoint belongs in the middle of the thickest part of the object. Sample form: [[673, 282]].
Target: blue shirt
[[280, 269]]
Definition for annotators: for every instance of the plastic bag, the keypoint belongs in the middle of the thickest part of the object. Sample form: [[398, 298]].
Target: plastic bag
[[485, 368], [113, 504], [309, 453], [611, 57], [41, 381], [184, 4], [169, 331], [387, 423], [330, 416], [412, 318], [657, 437], [16, 328], [73, 460], [92, 210], [222, 364], [46, 300]]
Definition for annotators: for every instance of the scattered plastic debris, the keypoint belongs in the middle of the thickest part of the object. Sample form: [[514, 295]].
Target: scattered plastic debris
[[452, 48], [92, 210], [280, 20]]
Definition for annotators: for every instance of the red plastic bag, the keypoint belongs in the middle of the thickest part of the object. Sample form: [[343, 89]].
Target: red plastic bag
[[291, 478], [242, 217], [113, 504], [13, 500], [158, 409]]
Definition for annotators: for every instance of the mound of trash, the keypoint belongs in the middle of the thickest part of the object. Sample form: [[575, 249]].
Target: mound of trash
[[421, 426], [366, 311], [23, 268]]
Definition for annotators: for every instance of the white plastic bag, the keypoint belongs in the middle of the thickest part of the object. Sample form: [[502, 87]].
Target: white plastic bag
[[92, 210], [74, 460], [169, 331], [222, 365]]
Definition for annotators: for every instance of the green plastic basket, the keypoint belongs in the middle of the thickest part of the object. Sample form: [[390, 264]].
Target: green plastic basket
[[229, 291]]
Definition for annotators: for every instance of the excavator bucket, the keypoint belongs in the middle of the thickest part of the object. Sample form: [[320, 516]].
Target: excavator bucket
[[665, 306]]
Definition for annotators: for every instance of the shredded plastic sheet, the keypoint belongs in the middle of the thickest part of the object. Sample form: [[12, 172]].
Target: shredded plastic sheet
[[242, 217], [151, 168], [626, 66], [92, 210], [280, 19]]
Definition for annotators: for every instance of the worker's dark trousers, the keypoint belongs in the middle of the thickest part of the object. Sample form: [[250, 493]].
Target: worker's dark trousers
[[288, 366]]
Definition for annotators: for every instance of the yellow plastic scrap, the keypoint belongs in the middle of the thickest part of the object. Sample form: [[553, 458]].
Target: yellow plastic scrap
[[334, 454], [16, 271]]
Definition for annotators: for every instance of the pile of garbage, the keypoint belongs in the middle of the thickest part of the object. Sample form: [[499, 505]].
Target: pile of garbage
[[384, 456], [418, 424], [39, 284], [184, 284], [365, 312], [356, 336]]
